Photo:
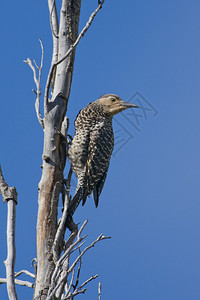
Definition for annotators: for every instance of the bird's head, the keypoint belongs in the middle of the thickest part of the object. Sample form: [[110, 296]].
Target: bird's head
[[113, 104]]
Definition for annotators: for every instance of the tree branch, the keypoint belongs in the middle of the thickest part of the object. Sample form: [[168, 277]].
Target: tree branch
[[100, 238], [53, 65], [79, 292], [59, 277], [37, 83], [65, 266], [19, 282], [24, 272], [10, 196], [78, 273], [70, 285], [59, 264], [86, 282], [53, 18], [55, 30]]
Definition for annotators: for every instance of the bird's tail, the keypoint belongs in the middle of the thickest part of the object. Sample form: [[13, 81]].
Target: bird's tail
[[75, 201]]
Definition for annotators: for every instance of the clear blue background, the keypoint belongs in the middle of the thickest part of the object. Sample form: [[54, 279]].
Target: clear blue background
[[150, 203]]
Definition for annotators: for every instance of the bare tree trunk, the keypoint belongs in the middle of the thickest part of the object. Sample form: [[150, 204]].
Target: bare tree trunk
[[54, 112]]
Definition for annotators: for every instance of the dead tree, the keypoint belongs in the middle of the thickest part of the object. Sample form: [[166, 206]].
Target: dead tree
[[52, 264]]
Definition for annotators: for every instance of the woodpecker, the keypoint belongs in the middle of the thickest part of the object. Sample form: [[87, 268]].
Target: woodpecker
[[92, 146]]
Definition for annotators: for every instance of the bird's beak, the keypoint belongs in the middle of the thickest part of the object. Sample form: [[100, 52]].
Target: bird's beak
[[128, 104]]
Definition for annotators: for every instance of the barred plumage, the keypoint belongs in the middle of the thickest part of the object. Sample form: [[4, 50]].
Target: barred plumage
[[92, 146]]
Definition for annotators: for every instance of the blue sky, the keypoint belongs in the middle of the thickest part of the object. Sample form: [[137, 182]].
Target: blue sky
[[150, 202]]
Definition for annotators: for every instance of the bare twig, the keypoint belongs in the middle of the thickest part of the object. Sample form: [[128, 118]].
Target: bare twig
[[63, 278], [24, 272], [79, 271], [34, 264], [86, 282], [70, 285], [37, 82], [36, 64], [59, 264], [100, 238], [34, 261], [61, 273], [79, 292], [64, 283], [54, 64], [99, 291], [78, 247], [10, 195], [37, 102], [81, 229], [63, 257], [65, 265], [19, 282]]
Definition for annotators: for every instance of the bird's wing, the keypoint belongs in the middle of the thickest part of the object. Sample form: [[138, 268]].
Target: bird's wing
[[99, 152]]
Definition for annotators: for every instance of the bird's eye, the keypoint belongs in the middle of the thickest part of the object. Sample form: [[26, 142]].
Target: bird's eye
[[112, 99]]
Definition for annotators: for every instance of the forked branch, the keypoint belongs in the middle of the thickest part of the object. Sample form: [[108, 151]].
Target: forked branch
[[24, 272], [53, 18], [59, 277], [55, 30], [37, 82], [54, 64]]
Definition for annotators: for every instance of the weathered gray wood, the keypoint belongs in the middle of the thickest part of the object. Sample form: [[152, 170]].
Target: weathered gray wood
[[19, 282], [9, 195], [55, 109], [11, 252], [54, 29]]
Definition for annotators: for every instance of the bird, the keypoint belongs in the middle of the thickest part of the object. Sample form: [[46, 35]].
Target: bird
[[92, 146]]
